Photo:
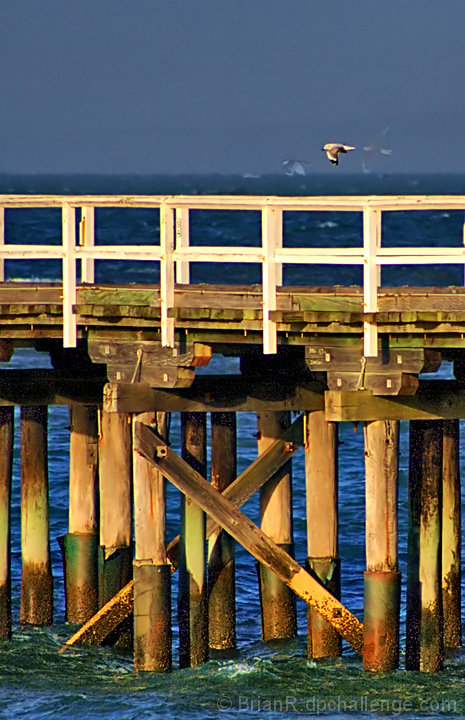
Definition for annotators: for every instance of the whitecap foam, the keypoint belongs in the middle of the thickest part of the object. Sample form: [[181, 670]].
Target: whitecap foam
[[328, 224]]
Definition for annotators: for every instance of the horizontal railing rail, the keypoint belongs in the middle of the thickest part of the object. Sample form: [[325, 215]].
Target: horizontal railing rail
[[174, 252]]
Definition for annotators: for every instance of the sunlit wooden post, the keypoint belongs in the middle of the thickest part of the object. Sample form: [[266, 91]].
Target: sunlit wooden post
[[115, 486], [6, 465], [152, 572], [36, 576], [277, 601], [272, 240], [182, 243], [87, 240], [382, 579], [451, 535], [424, 642], [221, 567], [167, 274], [322, 525], [69, 275], [371, 277], [80, 544], [192, 584]]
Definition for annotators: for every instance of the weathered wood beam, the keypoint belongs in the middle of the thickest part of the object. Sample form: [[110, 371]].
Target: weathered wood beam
[[190, 482], [258, 472], [104, 622], [394, 383], [434, 400], [48, 387], [220, 393], [6, 350]]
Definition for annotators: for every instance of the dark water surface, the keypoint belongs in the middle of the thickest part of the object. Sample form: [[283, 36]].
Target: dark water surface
[[273, 681]]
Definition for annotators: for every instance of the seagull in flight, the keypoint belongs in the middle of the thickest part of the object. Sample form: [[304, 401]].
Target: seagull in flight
[[377, 146], [294, 167], [333, 149]]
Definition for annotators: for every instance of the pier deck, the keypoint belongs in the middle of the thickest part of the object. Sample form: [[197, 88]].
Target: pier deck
[[319, 338]]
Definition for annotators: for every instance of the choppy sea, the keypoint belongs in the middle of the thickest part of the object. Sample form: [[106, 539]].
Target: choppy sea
[[263, 681]]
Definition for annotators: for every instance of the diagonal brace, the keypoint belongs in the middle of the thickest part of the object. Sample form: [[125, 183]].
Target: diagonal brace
[[244, 531], [95, 630], [254, 476]]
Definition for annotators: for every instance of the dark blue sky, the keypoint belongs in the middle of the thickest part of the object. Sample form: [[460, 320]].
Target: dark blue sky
[[230, 85]]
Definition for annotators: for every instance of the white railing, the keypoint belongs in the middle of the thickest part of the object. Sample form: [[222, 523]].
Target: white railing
[[175, 254]]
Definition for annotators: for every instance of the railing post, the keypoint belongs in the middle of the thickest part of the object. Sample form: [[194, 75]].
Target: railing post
[[87, 239], [166, 274], [182, 241], [2, 242], [272, 239], [69, 275], [463, 242], [371, 277]]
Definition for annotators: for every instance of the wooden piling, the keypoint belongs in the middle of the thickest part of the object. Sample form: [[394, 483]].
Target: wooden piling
[[254, 540], [152, 572], [6, 463], [278, 609], [382, 579], [320, 438], [36, 575], [451, 535], [412, 639], [80, 544], [424, 642], [221, 546], [192, 585], [115, 487]]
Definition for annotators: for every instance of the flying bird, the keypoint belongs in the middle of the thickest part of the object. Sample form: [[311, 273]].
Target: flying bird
[[376, 147], [333, 149], [294, 167]]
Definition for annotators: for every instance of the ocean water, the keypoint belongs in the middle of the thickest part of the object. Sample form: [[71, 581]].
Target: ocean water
[[262, 681]]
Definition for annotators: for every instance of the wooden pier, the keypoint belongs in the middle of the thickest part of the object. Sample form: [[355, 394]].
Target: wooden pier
[[124, 355]]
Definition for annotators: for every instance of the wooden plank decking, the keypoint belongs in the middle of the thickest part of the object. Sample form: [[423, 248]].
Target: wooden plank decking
[[205, 308], [319, 330]]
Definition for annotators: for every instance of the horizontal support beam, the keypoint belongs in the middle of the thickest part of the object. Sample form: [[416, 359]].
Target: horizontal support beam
[[434, 400], [243, 530], [224, 393], [49, 387]]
